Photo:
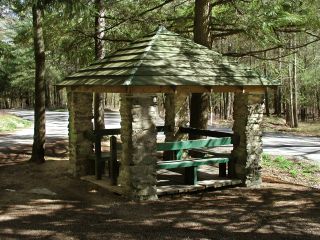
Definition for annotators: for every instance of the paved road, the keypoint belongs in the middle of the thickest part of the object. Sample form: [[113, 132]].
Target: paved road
[[273, 143]]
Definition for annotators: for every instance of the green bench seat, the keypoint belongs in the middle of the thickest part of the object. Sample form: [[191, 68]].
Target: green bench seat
[[195, 162], [190, 165]]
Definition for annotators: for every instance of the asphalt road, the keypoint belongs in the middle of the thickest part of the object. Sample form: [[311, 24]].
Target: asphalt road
[[273, 143]]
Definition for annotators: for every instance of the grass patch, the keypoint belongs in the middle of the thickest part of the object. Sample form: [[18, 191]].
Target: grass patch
[[10, 122], [311, 128], [59, 110], [299, 170], [274, 124]]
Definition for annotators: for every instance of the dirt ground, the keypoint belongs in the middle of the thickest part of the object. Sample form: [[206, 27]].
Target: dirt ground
[[73, 209]]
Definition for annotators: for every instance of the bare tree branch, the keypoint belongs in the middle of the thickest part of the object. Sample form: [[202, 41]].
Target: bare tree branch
[[91, 35], [251, 53], [221, 2], [274, 58], [304, 45], [139, 15], [312, 34], [223, 32], [256, 52]]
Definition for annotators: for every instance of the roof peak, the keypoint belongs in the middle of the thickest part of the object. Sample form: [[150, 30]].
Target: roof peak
[[163, 58], [161, 28]]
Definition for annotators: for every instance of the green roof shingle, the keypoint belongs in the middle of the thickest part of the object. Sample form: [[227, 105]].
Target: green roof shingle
[[164, 58]]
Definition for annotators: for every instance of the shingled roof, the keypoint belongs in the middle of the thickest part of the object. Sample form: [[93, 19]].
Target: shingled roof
[[164, 62]]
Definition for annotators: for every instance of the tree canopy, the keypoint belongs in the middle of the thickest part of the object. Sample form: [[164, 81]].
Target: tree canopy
[[268, 35]]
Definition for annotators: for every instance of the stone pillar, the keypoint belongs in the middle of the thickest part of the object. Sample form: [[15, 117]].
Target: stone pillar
[[247, 115], [177, 115], [80, 122], [138, 135]]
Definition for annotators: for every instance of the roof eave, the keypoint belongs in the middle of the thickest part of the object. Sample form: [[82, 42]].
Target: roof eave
[[167, 89]]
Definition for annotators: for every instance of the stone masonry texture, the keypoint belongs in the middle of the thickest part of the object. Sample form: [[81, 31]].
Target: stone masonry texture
[[80, 122], [248, 114], [138, 135]]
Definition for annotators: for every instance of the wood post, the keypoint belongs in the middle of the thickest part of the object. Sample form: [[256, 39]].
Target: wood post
[[190, 175], [113, 164], [222, 169], [98, 158]]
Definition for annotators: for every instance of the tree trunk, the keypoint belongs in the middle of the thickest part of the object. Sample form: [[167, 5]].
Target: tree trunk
[[277, 102], [290, 100], [221, 107], [100, 54], [295, 90], [226, 105], [199, 110], [318, 103], [303, 115], [200, 101], [211, 109], [48, 95], [39, 106], [279, 91], [266, 94]]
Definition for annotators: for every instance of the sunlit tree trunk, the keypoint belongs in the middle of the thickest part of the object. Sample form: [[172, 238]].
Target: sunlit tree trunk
[[39, 106], [100, 54], [295, 90], [289, 105], [292, 105]]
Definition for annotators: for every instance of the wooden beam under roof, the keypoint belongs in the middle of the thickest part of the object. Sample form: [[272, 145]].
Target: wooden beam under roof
[[166, 89]]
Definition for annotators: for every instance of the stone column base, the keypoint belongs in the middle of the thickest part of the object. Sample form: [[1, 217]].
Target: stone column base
[[139, 182]]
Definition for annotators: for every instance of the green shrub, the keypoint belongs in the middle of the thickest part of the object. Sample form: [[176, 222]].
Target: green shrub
[[294, 168], [10, 122]]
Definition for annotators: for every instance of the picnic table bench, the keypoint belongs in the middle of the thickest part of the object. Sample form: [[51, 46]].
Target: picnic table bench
[[190, 165]]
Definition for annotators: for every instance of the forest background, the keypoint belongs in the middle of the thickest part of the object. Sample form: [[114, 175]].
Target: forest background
[[277, 38]]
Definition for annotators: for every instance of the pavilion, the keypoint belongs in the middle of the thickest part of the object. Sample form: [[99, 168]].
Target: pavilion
[[163, 62]]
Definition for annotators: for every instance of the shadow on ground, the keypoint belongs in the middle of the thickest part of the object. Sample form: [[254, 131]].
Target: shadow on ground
[[13, 153], [82, 211]]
